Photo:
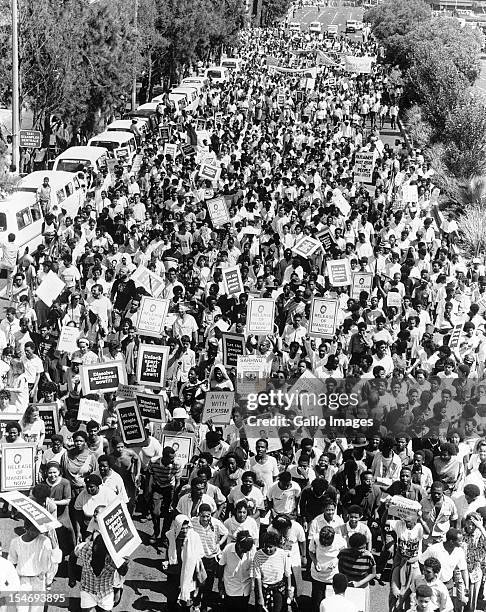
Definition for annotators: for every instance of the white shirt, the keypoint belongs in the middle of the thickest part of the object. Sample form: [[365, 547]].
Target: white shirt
[[284, 500], [337, 603]]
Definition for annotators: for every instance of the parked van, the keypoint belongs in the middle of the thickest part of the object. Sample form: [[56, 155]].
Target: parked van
[[351, 26], [124, 125], [121, 145], [218, 74], [315, 27], [332, 31], [21, 214], [192, 96], [76, 158], [179, 100], [200, 83], [66, 190], [232, 63], [146, 111]]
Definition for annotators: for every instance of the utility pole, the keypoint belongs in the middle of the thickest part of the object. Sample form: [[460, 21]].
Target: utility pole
[[134, 83], [15, 87]]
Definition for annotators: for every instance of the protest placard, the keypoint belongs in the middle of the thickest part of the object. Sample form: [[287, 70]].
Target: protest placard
[[50, 288], [18, 466], [170, 149], [183, 445], [188, 150], [130, 422], [233, 347], [165, 133], [326, 238], [209, 171], [403, 508], [118, 531], [306, 246], [251, 374], [67, 339], [102, 377], [218, 211], [323, 317], [90, 410], [218, 406], [49, 413], [151, 406], [152, 364], [455, 337], [260, 318], [393, 298], [358, 65], [340, 202], [409, 193], [151, 316], [128, 391], [361, 281], [363, 166], [232, 283], [339, 272], [34, 512], [153, 284]]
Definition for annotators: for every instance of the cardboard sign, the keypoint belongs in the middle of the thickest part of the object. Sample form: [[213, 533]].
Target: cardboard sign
[[233, 347], [67, 339], [128, 391], [151, 406], [409, 194], [218, 407], [209, 171], [18, 466], [118, 531], [131, 424], [393, 298], [403, 508], [339, 272], [90, 410], [151, 316], [340, 202], [153, 284], [170, 149], [165, 133], [358, 65], [50, 288], [306, 247], [260, 317], [152, 365], [326, 238], [102, 377], [363, 167], [455, 337], [251, 373], [232, 283], [188, 150], [183, 445], [323, 317], [34, 512], [218, 211], [361, 281], [50, 415]]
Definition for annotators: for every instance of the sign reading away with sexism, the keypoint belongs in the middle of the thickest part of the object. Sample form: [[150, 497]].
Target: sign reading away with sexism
[[218, 406], [131, 424], [102, 377], [232, 283], [151, 316], [152, 365], [233, 347], [323, 317], [34, 512], [260, 317], [218, 211], [118, 532], [363, 166]]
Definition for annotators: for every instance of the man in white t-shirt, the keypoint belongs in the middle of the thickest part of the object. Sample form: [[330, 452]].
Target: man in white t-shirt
[[338, 601], [283, 495]]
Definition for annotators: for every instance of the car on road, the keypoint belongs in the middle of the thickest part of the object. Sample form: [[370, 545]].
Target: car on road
[[315, 27], [332, 31], [217, 74], [351, 26]]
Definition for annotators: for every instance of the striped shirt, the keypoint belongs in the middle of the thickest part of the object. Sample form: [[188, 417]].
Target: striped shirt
[[210, 535], [271, 569], [164, 475], [355, 564]]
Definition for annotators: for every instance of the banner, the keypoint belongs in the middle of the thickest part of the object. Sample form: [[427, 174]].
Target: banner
[[310, 73], [306, 247], [218, 407], [102, 377], [363, 167], [152, 365], [34, 512], [260, 318], [323, 317], [18, 466], [218, 211], [151, 406], [118, 531], [153, 284], [233, 347], [49, 413], [393, 298], [151, 316], [184, 447], [130, 422], [50, 288], [361, 281], [358, 65], [67, 339], [90, 410], [232, 283], [339, 272]]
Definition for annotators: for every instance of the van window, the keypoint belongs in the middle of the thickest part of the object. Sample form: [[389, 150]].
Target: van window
[[36, 212], [61, 196], [23, 218], [76, 183], [214, 74], [3, 222], [69, 189]]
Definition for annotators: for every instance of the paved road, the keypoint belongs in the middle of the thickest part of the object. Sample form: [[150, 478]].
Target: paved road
[[328, 15]]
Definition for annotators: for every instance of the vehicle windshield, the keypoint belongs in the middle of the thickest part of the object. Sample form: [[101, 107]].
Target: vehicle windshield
[[214, 74], [106, 144], [72, 165]]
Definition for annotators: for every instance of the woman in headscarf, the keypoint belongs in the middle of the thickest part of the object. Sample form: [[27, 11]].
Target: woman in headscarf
[[219, 379], [185, 570]]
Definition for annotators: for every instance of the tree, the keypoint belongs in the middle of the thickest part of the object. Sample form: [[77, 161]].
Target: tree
[[276, 9], [472, 228]]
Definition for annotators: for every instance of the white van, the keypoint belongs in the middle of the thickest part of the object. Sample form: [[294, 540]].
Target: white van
[[232, 63], [218, 74], [121, 145], [192, 96], [124, 125], [315, 27], [200, 83], [179, 100], [74, 158], [66, 190], [21, 214]]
